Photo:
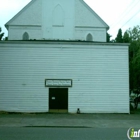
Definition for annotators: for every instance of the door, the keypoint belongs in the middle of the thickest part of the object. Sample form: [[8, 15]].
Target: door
[[58, 98]]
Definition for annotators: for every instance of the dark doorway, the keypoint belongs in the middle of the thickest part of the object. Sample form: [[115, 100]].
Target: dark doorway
[[58, 98]]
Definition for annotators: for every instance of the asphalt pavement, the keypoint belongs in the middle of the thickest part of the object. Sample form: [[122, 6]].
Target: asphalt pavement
[[62, 133], [71, 120], [67, 126]]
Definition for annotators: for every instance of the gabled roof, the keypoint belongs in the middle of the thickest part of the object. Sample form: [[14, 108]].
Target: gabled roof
[[21, 19], [94, 13], [20, 13]]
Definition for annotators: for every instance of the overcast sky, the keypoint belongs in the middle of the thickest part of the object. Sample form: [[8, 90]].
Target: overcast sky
[[116, 13]]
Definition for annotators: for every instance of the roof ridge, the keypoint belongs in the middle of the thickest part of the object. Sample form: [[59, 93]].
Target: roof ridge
[[93, 12], [19, 13]]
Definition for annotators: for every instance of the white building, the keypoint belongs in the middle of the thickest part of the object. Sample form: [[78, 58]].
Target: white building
[[57, 19], [43, 76]]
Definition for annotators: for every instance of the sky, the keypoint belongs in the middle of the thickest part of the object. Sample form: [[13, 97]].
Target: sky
[[117, 14]]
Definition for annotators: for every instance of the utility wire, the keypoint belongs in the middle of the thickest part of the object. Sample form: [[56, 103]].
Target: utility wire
[[131, 18], [125, 11], [125, 14]]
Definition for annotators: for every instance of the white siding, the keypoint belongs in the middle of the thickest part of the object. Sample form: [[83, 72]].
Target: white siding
[[98, 35], [29, 15], [53, 31], [41, 19], [16, 32], [99, 73]]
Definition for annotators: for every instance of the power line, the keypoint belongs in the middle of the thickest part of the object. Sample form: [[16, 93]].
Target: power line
[[128, 20], [131, 18], [126, 13]]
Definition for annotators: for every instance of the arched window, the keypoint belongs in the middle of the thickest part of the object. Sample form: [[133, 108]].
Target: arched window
[[89, 37], [25, 36], [58, 16]]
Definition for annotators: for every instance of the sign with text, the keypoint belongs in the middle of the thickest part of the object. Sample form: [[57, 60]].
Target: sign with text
[[58, 83]]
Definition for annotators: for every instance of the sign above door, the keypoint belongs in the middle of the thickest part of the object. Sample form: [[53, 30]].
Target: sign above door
[[58, 83]]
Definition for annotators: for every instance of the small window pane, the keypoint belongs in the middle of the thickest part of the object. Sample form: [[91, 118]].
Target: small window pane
[[25, 36], [89, 37]]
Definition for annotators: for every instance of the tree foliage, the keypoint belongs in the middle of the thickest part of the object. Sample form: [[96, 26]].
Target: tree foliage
[[135, 71], [1, 34], [119, 38], [134, 33], [132, 36], [126, 37]]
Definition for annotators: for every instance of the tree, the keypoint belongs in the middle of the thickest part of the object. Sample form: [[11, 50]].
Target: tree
[[135, 71], [134, 33], [134, 39], [126, 38], [119, 38], [133, 36], [1, 34]]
